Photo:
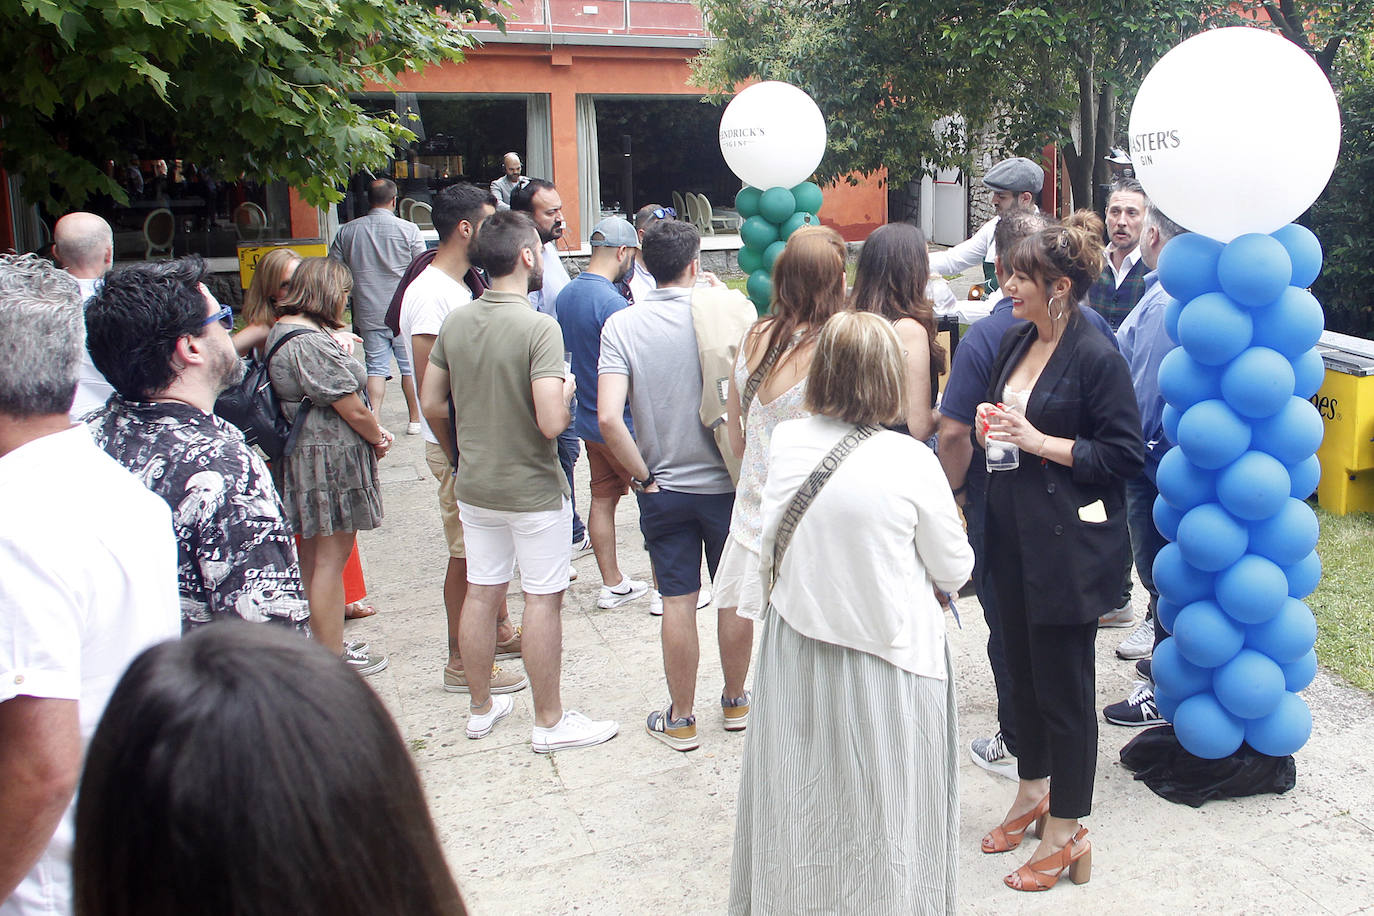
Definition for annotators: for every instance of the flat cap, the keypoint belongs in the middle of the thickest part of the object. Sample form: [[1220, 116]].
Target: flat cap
[[1016, 175]]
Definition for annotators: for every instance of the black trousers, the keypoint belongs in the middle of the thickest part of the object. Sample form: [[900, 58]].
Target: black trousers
[[1053, 672]]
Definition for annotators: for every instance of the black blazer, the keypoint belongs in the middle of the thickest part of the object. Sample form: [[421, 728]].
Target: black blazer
[[1071, 567]]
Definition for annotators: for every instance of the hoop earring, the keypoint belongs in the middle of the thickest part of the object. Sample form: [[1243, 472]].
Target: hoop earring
[[1063, 310]]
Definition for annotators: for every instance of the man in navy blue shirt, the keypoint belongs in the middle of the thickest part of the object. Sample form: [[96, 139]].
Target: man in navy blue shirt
[[964, 465], [583, 307]]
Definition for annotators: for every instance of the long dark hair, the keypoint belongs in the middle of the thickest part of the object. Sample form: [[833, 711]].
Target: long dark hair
[[891, 279], [246, 770], [808, 287]]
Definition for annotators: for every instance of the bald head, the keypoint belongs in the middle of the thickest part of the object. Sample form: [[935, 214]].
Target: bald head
[[513, 166], [84, 245]]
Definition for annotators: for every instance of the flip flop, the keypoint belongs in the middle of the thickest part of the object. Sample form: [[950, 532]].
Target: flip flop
[[357, 610]]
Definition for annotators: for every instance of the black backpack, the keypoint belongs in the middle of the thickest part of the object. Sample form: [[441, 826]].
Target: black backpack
[[252, 405]]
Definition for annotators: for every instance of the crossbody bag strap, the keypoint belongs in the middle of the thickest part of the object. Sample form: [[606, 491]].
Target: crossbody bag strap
[[812, 486], [755, 380], [290, 445]]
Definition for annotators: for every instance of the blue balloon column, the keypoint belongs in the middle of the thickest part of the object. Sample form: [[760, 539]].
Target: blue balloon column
[[768, 219], [1242, 553]]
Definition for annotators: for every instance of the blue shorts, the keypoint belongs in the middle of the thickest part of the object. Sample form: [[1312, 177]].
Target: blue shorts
[[378, 347], [677, 527]]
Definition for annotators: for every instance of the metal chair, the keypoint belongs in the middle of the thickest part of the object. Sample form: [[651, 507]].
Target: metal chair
[[159, 231]]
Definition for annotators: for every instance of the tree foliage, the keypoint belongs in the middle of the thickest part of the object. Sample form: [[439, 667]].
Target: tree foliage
[[257, 87]]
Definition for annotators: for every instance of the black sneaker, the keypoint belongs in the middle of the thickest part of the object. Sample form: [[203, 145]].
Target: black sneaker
[[1142, 670], [1136, 710]]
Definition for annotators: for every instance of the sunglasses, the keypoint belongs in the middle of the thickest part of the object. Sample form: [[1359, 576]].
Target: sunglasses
[[224, 316], [664, 213]]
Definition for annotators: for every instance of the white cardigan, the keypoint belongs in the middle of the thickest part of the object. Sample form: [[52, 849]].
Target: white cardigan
[[858, 572]]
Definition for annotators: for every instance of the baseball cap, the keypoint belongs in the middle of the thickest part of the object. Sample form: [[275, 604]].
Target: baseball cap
[[614, 231]]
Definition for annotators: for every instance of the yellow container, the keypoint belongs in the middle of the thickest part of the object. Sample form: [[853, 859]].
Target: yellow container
[[1346, 404]]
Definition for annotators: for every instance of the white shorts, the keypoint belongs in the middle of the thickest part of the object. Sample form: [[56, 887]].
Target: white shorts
[[737, 583], [540, 541]]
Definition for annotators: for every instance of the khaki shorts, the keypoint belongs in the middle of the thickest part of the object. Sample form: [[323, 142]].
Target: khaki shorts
[[448, 502], [609, 477]]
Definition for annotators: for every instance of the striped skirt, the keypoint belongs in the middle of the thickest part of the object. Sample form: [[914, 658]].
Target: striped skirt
[[849, 792]]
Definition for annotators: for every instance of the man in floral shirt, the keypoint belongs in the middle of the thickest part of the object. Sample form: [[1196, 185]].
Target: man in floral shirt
[[162, 341]]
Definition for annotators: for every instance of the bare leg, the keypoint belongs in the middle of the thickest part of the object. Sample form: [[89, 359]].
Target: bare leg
[[326, 588], [376, 391], [305, 548], [478, 638], [681, 651], [455, 590], [542, 644], [736, 637], [412, 403], [1058, 832], [601, 529]]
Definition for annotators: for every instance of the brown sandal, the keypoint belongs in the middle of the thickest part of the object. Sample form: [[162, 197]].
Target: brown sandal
[[1006, 837], [1076, 858]]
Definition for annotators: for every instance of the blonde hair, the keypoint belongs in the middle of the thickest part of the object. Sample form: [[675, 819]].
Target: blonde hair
[[259, 302], [319, 290], [857, 372]]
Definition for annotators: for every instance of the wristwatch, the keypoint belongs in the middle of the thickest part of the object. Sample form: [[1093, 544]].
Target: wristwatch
[[640, 485]]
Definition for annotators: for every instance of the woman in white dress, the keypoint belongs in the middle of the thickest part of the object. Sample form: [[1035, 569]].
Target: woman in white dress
[[849, 797]]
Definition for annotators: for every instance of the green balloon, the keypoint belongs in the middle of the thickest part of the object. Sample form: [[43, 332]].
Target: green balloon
[[750, 259], [796, 221], [808, 196], [758, 232], [747, 202], [776, 205], [770, 254], [760, 287]]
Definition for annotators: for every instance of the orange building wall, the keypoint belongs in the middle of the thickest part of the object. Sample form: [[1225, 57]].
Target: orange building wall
[[855, 211]]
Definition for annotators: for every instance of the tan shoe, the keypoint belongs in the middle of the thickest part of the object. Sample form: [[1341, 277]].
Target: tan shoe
[[511, 647], [502, 681]]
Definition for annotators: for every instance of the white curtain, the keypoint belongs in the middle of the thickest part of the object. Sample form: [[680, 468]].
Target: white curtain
[[538, 138], [588, 165]]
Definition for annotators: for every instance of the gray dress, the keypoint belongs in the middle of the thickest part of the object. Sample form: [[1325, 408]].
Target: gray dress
[[329, 483]]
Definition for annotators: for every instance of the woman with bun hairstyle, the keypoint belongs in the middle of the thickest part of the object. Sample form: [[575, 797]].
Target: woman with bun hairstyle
[[1057, 525]]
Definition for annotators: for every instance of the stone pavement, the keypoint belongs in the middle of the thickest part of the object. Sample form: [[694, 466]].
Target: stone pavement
[[632, 827]]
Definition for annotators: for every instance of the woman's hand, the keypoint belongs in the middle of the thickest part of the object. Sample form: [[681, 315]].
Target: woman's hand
[[347, 340], [1006, 425], [982, 416], [381, 448]]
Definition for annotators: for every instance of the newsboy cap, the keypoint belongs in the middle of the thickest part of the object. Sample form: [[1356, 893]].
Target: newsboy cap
[[1016, 175]]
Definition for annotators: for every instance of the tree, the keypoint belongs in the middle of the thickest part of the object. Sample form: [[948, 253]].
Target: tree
[[257, 87]]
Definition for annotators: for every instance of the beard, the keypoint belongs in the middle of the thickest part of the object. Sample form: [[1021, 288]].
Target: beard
[[536, 279], [626, 271], [230, 369]]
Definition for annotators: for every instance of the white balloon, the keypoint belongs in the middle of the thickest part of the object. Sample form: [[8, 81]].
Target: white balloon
[[772, 135], [1235, 130]]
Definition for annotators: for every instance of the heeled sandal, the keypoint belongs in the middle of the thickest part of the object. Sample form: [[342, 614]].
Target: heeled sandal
[[1076, 858], [1006, 837]]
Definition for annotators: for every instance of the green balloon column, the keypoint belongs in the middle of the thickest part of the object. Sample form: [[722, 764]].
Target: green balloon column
[[772, 136]]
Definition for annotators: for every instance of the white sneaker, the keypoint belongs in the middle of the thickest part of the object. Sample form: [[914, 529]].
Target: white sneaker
[[703, 598], [1121, 617], [1141, 642], [481, 724], [573, 730], [413, 429], [656, 603], [572, 573], [628, 590]]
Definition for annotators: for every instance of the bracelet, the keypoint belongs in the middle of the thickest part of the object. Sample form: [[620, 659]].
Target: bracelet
[[1043, 440], [961, 488]]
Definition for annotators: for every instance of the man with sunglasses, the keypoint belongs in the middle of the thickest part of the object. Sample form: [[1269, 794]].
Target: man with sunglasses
[[639, 279], [160, 338]]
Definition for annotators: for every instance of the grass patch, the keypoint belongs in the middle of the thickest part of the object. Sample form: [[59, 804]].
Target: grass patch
[[1344, 601]]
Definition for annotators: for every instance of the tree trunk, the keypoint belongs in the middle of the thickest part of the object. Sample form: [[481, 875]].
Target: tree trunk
[[1106, 131], [1080, 161]]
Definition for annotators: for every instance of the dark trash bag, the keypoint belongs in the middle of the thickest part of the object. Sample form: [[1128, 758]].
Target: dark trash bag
[[1159, 761], [252, 406]]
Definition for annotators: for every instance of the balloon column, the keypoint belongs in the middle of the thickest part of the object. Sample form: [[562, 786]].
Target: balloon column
[[1241, 557], [772, 136]]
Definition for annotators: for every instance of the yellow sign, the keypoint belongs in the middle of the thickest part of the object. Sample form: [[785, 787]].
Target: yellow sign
[[250, 255]]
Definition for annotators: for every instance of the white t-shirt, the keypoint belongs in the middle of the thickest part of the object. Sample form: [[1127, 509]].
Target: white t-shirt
[[88, 580], [92, 391], [428, 300]]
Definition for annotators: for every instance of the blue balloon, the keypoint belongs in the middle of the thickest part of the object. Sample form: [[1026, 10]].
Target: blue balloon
[[1183, 381], [1309, 373], [1167, 612], [1306, 474], [1258, 382], [1172, 309], [1206, 636], [1254, 486], [1304, 575], [1298, 674], [1287, 636], [1288, 536], [1176, 580], [1290, 435], [1169, 418], [1212, 435], [1304, 251], [1166, 518], [1253, 269], [1188, 266], [1211, 540], [1283, 731], [1214, 329], [1249, 685], [1166, 704], [1292, 324], [1206, 729], [1253, 590], [1182, 483], [1175, 675]]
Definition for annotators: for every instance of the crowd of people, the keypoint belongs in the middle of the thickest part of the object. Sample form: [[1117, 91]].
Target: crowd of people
[[839, 500]]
